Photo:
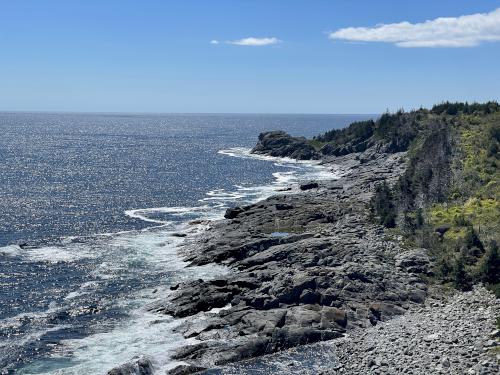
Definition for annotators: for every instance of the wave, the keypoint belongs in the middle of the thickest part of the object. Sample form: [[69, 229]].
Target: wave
[[147, 256], [216, 201], [52, 254], [246, 153]]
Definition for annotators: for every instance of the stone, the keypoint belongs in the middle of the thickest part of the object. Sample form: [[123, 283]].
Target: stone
[[445, 362], [309, 186], [141, 366], [185, 370], [415, 261], [232, 213], [283, 206]]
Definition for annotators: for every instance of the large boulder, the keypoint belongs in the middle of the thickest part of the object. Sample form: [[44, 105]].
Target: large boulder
[[309, 186], [141, 366], [413, 261], [232, 213], [281, 144]]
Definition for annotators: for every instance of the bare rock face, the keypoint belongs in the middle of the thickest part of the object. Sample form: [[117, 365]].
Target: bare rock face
[[281, 144]]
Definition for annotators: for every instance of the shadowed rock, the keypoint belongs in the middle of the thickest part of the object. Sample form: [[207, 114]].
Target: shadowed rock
[[281, 144]]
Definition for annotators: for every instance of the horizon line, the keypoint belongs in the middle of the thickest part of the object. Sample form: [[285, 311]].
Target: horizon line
[[183, 113]]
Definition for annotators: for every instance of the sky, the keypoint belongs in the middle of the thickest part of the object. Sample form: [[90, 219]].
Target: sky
[[246, 56]]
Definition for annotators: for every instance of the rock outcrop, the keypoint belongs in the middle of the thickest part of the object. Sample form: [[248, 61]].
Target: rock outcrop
[[140, 366], [450, 334], [331, 272], [281, 144], [312, 266]]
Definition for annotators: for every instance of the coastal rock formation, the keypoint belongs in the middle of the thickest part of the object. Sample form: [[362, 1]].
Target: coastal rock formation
[[321, 263], [281, 144], [141, 366], [332, 270], [450, 334]]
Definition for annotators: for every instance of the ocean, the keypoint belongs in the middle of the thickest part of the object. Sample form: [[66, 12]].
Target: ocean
[[90, 209]]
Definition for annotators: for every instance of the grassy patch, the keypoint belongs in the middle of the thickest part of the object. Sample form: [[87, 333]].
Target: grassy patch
[[317, 144], [482, 214]]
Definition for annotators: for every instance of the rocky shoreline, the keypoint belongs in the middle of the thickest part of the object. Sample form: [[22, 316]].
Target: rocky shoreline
[[451, 333], [329, 269], [310, 266]]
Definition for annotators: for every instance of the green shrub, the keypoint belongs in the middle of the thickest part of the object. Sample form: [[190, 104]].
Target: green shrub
[[461, 279], [382, 206], [490, 265], [472, 240]]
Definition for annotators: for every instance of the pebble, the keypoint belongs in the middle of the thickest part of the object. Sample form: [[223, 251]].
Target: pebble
[[457, 336]]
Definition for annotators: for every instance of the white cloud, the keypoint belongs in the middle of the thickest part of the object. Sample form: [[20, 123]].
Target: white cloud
[[463, 31], [214, 41], [254, 42]]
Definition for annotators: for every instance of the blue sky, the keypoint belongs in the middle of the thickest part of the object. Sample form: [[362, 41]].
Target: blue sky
[[157, 56]]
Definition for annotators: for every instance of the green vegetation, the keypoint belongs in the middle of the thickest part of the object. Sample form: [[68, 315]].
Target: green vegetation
[[382, 207], [465, 108], [316, 143], [358, 132], [354, 138], [448, 200]]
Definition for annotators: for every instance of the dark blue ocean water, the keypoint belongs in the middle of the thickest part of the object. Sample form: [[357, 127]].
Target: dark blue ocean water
[[97, 197]]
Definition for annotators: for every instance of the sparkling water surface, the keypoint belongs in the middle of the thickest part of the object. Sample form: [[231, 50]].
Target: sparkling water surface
[[93, 200]]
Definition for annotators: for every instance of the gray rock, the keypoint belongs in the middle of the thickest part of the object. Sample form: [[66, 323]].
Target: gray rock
[[415, 261], [280, 144], [141, 366], [232, 213], [309, 186]]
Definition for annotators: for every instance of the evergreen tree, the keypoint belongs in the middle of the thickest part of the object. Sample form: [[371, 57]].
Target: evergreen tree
[[490, 267], [461, 279], [382, 206]]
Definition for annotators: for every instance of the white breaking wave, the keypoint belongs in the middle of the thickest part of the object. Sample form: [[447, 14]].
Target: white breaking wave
[[53, 254], [217, 200], [246, 153], [154, 251], [142, 332]]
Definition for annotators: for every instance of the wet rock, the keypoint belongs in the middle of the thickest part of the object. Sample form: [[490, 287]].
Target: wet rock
[[141, 366], [185, 370], [179, 235], [309, 186], [232, 213]]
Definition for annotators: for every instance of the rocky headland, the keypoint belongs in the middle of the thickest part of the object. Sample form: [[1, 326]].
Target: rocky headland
[[347, 259]]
